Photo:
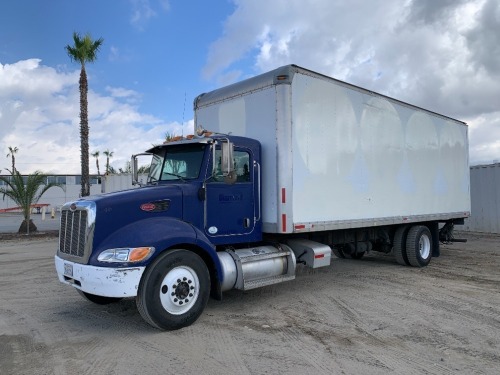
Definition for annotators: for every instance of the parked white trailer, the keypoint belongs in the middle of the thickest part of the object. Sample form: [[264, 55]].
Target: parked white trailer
[[338, 156]]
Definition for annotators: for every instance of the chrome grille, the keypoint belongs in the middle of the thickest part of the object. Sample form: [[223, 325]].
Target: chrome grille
[[73, 232]]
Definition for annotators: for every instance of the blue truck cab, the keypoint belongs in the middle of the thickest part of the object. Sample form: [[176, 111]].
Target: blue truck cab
[[193, 229]]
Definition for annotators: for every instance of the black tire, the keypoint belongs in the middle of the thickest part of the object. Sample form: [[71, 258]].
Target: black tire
[[419, 246], [357, 255], [350, 252], [337, 251], [100, 300], [174, 290], [399, 245]]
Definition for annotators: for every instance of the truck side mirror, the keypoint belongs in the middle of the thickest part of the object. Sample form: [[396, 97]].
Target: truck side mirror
[[135, 169], [227, 161]]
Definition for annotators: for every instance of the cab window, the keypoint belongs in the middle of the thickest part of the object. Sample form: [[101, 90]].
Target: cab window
[[241, 160]]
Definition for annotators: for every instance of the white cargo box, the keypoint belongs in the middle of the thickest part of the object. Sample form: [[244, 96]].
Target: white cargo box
[[337, 156]]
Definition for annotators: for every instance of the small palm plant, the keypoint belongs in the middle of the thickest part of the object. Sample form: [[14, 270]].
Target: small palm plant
[[25, 194]]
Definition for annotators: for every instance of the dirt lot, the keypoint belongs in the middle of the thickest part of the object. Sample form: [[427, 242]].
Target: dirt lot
[[369, 316]]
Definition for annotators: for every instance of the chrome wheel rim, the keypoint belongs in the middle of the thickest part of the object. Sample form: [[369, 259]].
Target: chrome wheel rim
[[424, 245], [179, 290]]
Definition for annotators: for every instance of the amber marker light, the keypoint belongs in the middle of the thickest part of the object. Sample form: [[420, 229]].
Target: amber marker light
[[140, 253]]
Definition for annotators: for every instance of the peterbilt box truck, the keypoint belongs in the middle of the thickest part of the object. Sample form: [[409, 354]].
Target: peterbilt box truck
[[284, 169]]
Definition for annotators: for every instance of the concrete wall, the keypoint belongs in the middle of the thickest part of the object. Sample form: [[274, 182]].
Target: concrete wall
[[485, 199]]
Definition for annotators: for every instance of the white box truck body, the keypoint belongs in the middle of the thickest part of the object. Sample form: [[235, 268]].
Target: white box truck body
[[337, 156]]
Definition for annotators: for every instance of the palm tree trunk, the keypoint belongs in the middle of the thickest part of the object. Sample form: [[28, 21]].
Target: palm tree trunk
[[84, 133]]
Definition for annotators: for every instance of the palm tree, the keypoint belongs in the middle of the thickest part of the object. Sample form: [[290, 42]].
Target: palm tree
[[109, 154], [12, 151], [96, 156], [127, 169], [25, 194], [84, 50]]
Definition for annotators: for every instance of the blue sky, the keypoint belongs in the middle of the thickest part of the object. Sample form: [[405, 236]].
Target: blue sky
[[156, 48], [158, 55]]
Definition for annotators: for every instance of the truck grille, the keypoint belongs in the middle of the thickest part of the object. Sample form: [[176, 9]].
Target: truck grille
[[73, 232]]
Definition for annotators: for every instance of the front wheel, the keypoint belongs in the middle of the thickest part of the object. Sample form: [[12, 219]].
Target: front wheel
[[419, 246], [174, 290]]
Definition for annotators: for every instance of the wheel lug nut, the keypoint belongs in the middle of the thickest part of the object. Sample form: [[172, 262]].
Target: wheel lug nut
[[184, 279], [189, 281], [186, 300], [190, 294], [192, 288], [173, 294], [180, 302], [174, 286], [178, 280], [175, 299]]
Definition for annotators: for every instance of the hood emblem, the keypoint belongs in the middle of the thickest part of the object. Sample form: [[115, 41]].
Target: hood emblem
[[156, 206], [148, 207]]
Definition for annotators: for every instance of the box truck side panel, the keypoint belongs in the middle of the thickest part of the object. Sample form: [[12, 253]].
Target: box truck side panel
[[361, 159]]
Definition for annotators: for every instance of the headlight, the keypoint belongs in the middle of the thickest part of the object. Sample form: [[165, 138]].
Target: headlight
[[126, 255]]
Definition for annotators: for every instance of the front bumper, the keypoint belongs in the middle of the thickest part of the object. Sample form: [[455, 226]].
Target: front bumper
[[101, 281]]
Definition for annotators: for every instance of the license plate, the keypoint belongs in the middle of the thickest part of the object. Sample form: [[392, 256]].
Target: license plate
[[68, 269]]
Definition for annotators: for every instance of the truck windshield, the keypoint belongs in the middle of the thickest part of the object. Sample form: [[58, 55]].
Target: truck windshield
[[180, 162]]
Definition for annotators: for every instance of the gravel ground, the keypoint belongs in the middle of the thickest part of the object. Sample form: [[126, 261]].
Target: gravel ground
[[369, 316]]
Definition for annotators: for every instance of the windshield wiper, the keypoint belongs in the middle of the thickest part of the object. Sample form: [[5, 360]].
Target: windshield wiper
[[175, 175]]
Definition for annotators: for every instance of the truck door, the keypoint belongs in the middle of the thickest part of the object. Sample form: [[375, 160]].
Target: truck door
[[230, 208]]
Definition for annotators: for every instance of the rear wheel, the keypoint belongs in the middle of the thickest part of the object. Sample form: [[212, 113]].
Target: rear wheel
[[419, 246], [351, 250], [100, 300], [337, 251], [174, 290], [358, 255], [399, 245]]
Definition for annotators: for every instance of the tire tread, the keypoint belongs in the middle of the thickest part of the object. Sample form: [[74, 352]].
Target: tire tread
[[399, 248]]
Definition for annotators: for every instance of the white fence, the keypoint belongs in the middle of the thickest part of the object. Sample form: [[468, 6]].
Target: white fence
[[55, 197]]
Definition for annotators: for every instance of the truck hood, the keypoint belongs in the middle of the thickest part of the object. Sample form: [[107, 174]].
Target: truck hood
[[117, 210]]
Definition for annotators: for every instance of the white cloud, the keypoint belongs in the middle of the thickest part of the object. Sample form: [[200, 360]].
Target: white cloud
[[39, 109], [440, 55], [484, 138], [143, 11], [122, 93]]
